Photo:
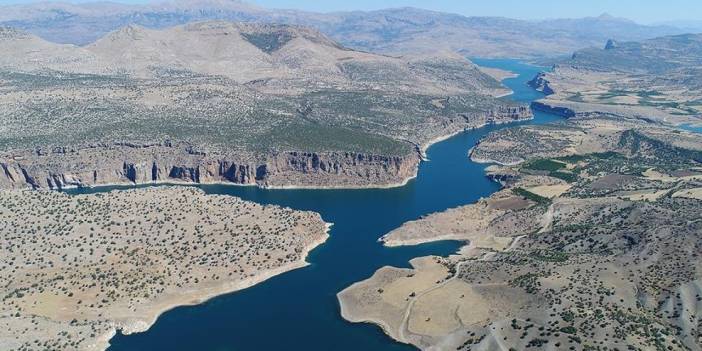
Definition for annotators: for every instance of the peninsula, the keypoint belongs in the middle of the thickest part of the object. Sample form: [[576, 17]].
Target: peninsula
[[75, 268], [593, 242]]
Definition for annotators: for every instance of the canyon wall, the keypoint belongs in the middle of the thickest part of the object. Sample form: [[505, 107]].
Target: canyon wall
[[122, 163]]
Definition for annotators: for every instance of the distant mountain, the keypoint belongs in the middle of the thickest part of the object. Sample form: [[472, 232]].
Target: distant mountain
[[691, 26], [273, 57], [654, 79], [395, 31], [654, 56]]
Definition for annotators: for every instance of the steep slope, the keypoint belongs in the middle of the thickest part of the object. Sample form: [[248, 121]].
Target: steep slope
[[273, 105]]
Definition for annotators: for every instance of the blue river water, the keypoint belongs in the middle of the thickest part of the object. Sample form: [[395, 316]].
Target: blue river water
[[692, 128], [299, 310]]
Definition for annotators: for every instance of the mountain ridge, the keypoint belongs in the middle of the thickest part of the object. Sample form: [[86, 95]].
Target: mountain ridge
[[260, 96], [394, 31]]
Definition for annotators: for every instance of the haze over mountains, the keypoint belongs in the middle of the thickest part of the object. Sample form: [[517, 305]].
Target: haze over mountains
[[396, 31], [655, 80]]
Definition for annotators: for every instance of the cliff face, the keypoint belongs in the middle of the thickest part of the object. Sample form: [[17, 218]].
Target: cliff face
[[498, 115], [511, 113], [139, 164], [556, 110], [541, 84]]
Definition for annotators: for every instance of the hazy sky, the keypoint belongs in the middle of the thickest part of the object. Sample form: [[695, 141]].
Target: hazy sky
[[645, 11]]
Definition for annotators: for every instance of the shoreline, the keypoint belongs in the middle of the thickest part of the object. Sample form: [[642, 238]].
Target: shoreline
[[415, 242], [204, 295], [399, 335], [174, 182], [345, 314], [488, 161], [425, 146]]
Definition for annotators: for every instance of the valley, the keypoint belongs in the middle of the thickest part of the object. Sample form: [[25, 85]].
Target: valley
[[217, 175]]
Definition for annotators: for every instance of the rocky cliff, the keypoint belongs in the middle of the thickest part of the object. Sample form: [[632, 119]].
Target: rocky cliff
[[541, 84], [556, 110], [122, 163]]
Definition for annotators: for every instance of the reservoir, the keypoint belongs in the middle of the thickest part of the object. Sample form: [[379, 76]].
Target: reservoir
[[298, 310]]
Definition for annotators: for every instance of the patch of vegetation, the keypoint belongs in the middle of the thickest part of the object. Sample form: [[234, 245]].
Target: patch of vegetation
[[269, 42], [544, 165], [569, 330], [529, 282], [537, 343], [572, 158], [606, 155], [550, 256], [642, 145], [568, 316], [531, 196], [567, 176]]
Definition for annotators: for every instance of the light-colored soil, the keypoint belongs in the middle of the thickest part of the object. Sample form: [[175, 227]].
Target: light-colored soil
[[79, 267], [601, 257], [550, 191], [498, 74], [695, 193]]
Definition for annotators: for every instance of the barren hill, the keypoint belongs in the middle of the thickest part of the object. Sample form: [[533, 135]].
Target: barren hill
[[222, 101]]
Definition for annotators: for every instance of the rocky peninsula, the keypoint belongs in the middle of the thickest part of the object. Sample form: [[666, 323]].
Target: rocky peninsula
[[593, 242]]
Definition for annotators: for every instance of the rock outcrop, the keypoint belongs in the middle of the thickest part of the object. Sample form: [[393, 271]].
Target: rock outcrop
[[505, 114], [541, 84], [556, 110], [611, 44], [122, 163]]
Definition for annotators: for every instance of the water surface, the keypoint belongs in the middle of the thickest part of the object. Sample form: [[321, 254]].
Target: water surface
[[696, 128], [299, 310]]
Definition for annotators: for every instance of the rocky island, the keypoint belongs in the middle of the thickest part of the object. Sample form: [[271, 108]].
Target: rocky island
[[75, 268]]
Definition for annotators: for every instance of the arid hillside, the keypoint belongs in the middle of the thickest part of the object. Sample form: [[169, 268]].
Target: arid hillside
[[263, 97], [395, 30]]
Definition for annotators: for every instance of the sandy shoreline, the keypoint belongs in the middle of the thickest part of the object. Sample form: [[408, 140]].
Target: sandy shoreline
[[491, 161], [130, 185], [413, 242]]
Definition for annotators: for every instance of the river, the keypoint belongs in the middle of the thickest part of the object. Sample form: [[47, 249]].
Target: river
[[298, 310]]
